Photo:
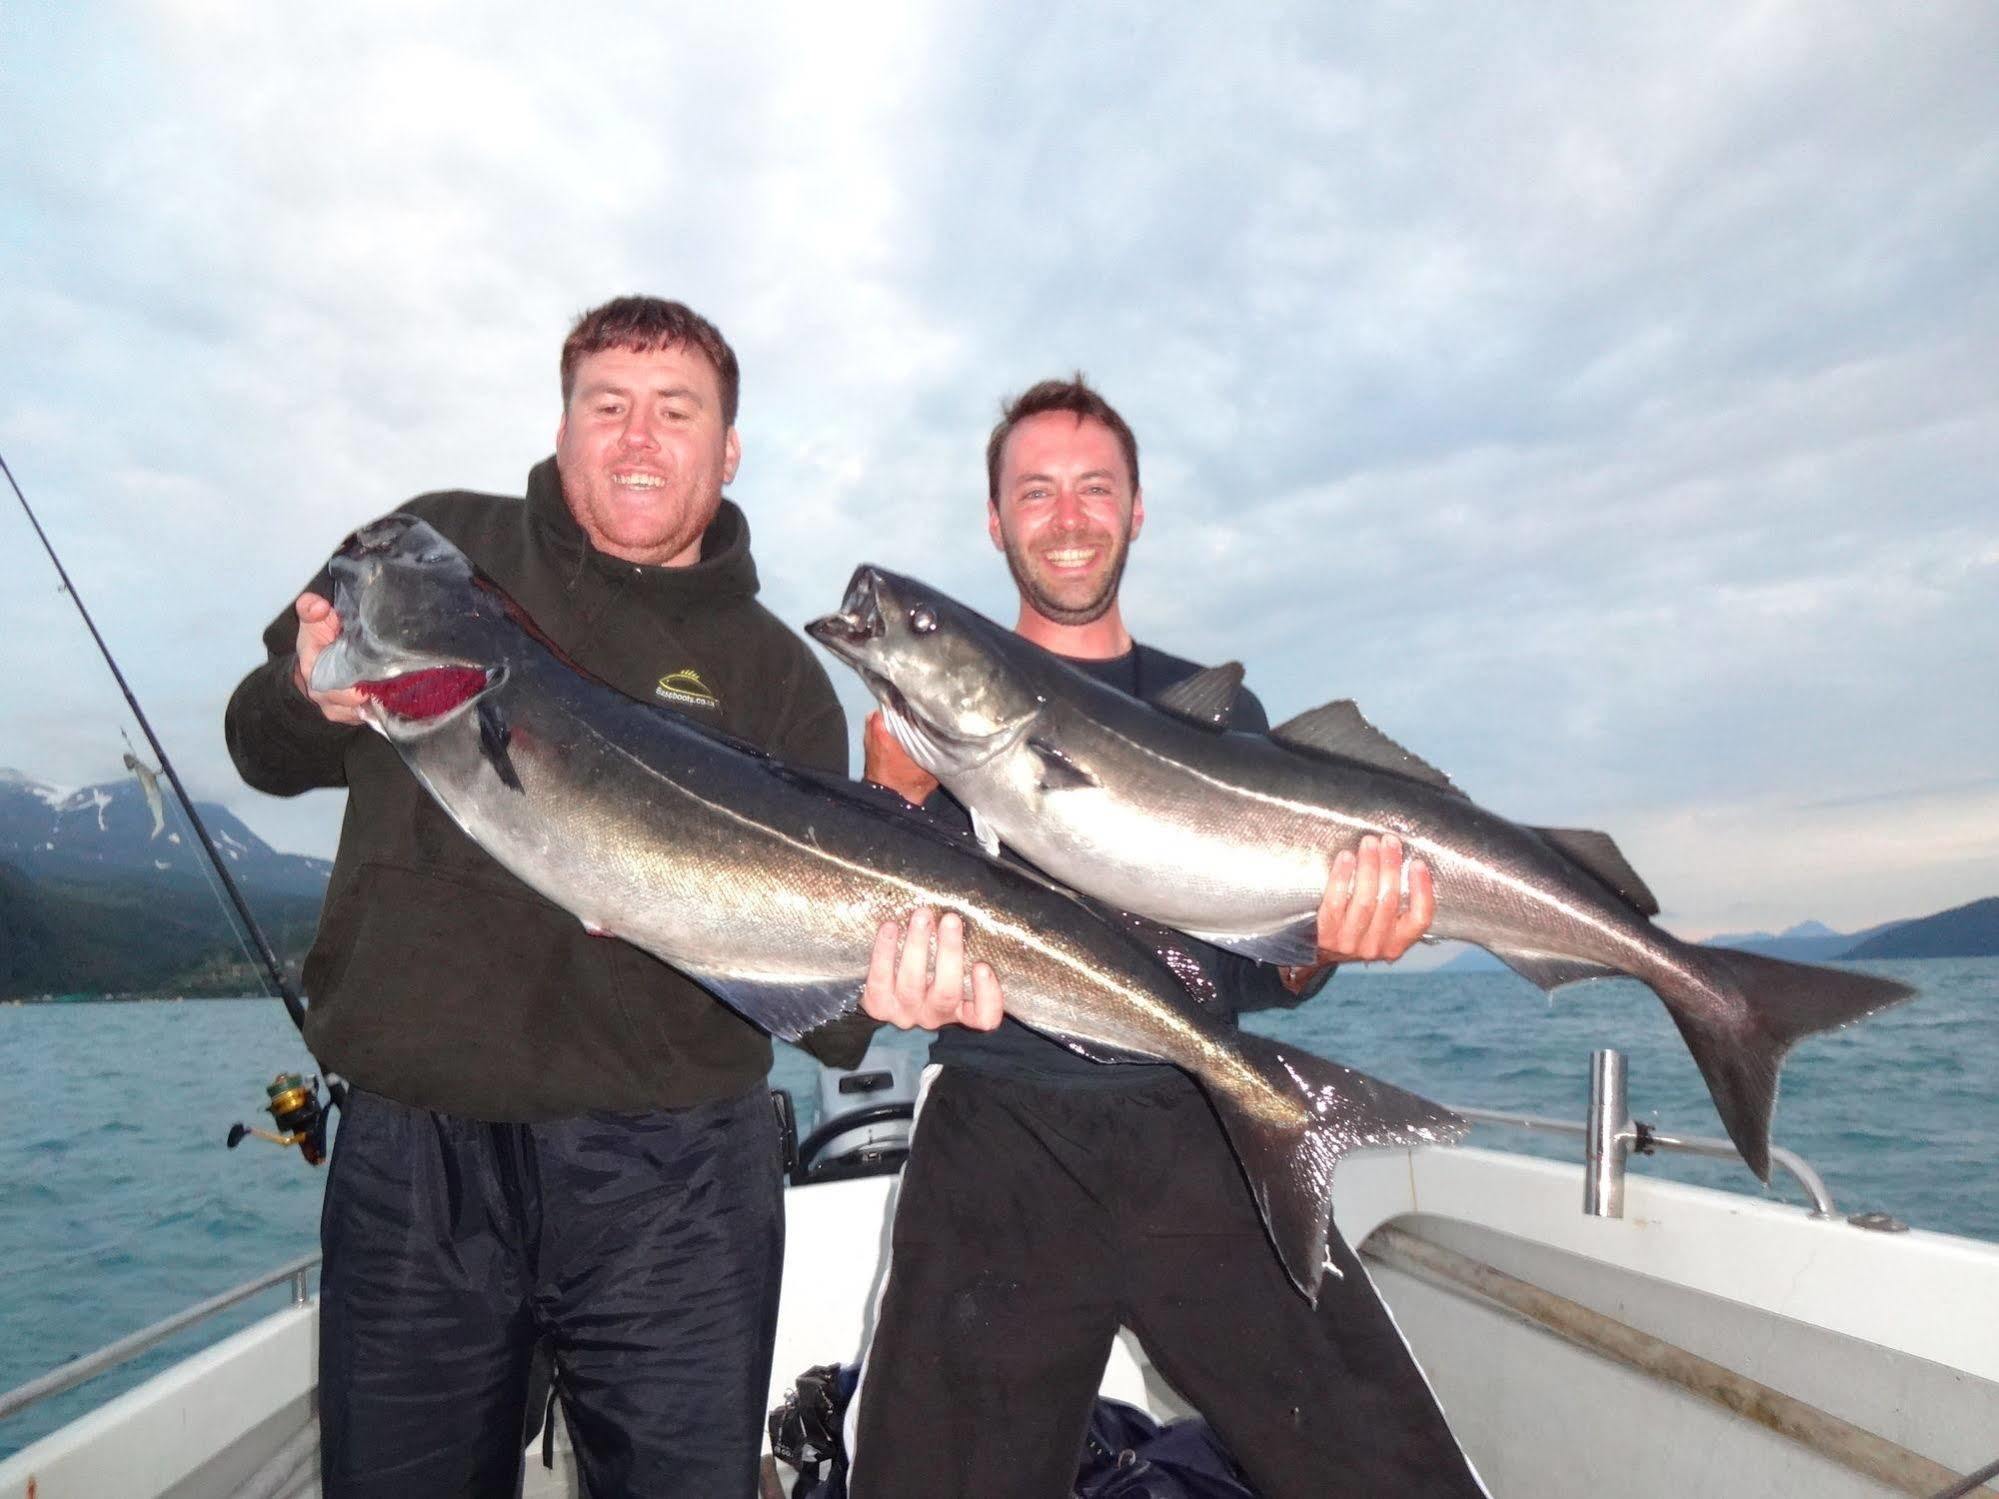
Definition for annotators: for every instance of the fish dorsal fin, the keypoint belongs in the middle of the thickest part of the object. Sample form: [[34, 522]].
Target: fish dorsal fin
[[1601, 857], [1206, 698], [1338, 729]]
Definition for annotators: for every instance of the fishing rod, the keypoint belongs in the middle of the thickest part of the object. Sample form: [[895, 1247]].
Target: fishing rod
[[301, 1120]]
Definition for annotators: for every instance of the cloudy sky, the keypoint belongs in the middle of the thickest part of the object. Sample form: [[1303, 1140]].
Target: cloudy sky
[[1606, 397]]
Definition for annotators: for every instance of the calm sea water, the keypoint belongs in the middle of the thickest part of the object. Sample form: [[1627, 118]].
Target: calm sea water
[[119, 1204]]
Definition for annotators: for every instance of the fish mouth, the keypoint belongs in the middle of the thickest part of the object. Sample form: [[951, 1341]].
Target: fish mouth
[[378, 538], [850, 634], [429, 692], [859, 621]]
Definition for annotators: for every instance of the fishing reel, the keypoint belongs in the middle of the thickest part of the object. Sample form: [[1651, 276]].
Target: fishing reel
[[298, 1113]]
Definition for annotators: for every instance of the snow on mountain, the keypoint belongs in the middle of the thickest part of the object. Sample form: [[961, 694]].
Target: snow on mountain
[[53, 795], [107, 831]]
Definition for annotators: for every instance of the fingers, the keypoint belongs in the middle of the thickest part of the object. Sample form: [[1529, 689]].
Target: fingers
[[316, 621], [1365, 914], [912, 969], [319, 627], [1360, 906], [1417, 914], [913, 987], [878, 997], [1333, 906], [987, 1007], [1380, 924], [945, 999]]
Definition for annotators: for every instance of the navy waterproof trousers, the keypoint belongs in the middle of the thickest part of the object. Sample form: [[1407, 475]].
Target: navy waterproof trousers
[[646, 1249]]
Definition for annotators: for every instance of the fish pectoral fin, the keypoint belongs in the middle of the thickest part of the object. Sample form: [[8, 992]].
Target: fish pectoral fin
[[1058, 771], [1601, 857], [842, 1041], [1097, 1051], [989, 840], [1337, 729], [494, 737], [1295, 945], [1207, 698], [786, 1008], [1550, 971]]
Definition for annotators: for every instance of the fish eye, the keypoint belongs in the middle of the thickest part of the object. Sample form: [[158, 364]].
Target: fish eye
[[923, 619]]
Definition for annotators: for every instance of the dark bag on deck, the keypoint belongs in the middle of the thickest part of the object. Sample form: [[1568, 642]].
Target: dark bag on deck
[[1126, 1454], [805, 1429]]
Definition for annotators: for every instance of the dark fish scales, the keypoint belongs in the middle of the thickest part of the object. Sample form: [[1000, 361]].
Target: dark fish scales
[[1231, 836], [768, 884]]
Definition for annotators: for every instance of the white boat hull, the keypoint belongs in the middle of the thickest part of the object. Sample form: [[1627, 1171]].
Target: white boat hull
[[1896, 1333]]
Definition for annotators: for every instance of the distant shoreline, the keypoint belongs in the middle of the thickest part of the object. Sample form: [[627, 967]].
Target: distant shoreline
[[129, 999]]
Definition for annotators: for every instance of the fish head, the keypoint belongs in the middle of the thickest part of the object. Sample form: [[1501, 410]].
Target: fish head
[[948, 679], [423, 636]]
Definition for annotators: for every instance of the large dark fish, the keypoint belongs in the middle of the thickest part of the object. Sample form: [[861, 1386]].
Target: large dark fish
[[1231, 836], [768, 884]]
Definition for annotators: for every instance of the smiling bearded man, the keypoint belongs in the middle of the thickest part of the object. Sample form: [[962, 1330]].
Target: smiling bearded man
[[1065, 512], [1049, 1199]]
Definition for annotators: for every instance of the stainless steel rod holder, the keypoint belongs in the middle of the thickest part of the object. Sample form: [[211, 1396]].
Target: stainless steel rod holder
[[1609, 1137]]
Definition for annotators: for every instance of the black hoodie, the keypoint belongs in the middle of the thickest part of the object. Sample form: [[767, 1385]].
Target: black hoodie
[[437, 978]]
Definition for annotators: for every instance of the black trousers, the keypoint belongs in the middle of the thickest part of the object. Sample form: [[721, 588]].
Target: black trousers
[[646, 1248], [1032, 1223]]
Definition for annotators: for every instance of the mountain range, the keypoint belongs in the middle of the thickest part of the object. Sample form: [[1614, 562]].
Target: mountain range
[[97, 896], [1967, 931]]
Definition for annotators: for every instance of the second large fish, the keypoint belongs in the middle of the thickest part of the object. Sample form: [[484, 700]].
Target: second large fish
[[1232, 836], [768, 884]]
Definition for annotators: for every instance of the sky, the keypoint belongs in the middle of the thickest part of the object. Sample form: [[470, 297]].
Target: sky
[[1604, 397]]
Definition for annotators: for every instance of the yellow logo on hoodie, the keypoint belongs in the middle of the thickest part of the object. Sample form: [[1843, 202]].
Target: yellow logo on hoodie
[[685, 686]]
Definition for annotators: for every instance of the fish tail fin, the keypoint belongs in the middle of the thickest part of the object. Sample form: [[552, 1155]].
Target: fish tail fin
[[1744, 1011], [1291, 1130]]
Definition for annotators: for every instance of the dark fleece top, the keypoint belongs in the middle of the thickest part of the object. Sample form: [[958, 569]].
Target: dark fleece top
[[438, 979]]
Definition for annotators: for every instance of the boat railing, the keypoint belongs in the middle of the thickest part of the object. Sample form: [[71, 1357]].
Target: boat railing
[[1611, 1136], [68, 1376]]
